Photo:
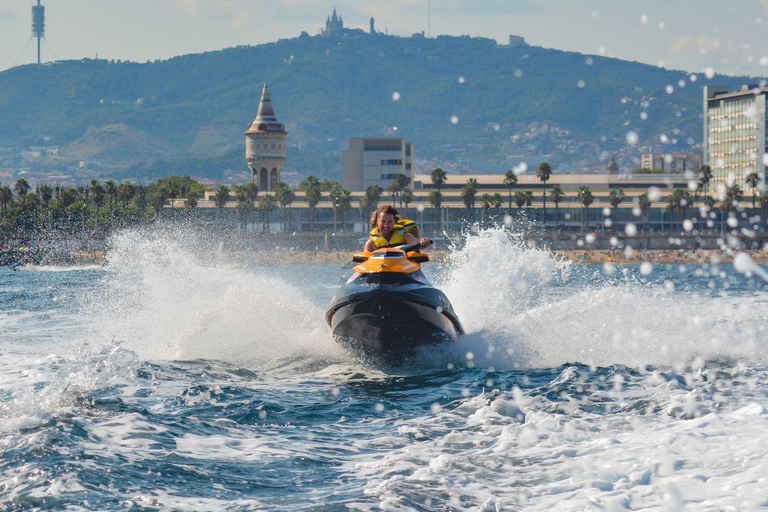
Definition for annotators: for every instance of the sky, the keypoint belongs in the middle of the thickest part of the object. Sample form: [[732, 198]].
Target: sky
[[691, 35]]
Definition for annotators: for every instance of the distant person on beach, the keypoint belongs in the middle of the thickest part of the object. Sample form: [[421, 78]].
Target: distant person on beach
[[390, 230]]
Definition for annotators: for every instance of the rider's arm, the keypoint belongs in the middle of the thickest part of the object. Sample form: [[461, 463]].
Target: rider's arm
[[369, 246]]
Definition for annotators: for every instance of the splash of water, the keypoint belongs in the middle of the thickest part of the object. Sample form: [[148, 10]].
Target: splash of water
[[166, 297]]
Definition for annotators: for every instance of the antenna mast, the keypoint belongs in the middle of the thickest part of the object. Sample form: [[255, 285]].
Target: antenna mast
[[429, 18], [38, 25]]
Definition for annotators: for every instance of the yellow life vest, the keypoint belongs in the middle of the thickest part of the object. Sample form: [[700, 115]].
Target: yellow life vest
[[402, 227]]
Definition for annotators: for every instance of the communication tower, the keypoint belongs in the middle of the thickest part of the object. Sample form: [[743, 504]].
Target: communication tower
[[38, 25]]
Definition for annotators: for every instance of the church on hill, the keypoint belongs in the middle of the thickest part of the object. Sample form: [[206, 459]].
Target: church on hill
[[334, 26]]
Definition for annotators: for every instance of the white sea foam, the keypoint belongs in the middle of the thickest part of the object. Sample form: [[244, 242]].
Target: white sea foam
[[520, 311], [167, 299]]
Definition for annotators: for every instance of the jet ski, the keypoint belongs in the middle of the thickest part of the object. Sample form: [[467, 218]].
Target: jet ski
[[388, 308]]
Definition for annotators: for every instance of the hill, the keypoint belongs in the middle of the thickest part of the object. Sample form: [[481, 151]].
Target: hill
[[506, 100]]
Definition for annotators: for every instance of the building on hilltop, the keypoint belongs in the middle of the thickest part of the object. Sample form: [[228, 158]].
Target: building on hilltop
[[517, 41], [373, 30], [334, 26], [265, 145], [375, 162], [671, 163], [612, 167], [734, 133]]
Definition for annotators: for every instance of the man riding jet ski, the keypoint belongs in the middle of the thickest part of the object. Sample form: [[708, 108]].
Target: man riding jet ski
[[388, 308]]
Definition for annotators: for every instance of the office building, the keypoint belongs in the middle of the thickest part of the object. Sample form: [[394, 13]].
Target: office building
[[734, 133], [375, 162]]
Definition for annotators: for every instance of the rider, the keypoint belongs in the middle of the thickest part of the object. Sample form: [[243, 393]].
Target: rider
[[389, 230]]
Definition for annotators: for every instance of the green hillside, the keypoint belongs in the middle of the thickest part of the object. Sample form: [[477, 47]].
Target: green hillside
[[328, 90]]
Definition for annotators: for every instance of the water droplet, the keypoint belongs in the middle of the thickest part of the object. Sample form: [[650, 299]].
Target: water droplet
[[589, 61], [462, 80], [709, 73], [454, 119], [764, 61], [643, 115], [646, 268], [396, 96], [435, 408], [688, 225], [630, 229], [669, 89], [654, 194], [644, 19], [632, 138], [518, 73], [590, 238], [581, 84], [470, 356], [379, 407]]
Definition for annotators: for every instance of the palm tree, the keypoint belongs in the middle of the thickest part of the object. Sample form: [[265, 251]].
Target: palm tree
[[673, 205], [438, 178], [161, 196], [244, 204], [193, 196], [644, 203], [733, 195], [406, 197], [586, 198], [372, 196], [345, 203], [313, 196], [705, 176], [220, 198], [496, 202], [436, 201], [468, 193], [337, 190], [763, 202], [111, 188], [709, 203], [46, 194], [557, 196], [520, 198], [753, 180], [126, 191], [21, 187], [399, 182], [267, 204], [486, 199], [544, 173], [616, 197], [6, 197], [510, 180], [285, 197]]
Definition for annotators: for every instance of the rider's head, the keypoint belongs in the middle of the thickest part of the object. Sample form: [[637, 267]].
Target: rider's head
[[384, 218]]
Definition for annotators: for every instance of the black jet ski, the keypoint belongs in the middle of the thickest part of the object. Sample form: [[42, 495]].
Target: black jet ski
[[388, 308]]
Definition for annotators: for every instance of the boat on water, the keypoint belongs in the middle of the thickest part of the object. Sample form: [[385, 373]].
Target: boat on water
[[388, 308]]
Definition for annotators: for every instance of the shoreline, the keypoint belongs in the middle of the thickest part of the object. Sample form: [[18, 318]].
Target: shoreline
[[292, 257]]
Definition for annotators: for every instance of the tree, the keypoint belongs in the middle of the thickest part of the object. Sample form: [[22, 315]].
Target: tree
[[496, 202], [644, 203], [399, 182], [285, 197], [126, 191], [544, 173], [520, 198], [510, 180], [468, 193], [313, 195], [438, 178], [267, 204], [406, 197], [705, 176], [335, 195], [21, 187], [159, 199], [111, 188], [372, 196], [586, 198], [753, 180], [557, 196], [6, 197], [763, 202], [616, 197], [193, 196], [46, 194], [486, 199], [733, 195], [244, 204]]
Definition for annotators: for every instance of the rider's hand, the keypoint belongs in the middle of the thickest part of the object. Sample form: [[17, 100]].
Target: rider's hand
[[425, 242]]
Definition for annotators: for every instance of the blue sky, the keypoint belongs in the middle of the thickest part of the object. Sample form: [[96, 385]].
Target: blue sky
[[680, 34]]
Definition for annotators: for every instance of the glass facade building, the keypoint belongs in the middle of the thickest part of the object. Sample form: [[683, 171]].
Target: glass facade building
[[734, 134]]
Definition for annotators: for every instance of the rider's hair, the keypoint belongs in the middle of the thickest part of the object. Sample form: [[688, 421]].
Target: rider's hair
[[386, 208]]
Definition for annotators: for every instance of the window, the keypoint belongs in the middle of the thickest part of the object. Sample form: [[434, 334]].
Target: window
[[391, 162]]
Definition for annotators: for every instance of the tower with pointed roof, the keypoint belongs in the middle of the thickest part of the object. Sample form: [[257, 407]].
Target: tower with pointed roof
[[613, 167], [334, 25], [265, 145]]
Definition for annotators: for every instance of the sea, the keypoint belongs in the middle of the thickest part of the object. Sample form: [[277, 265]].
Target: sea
[[176, 377]]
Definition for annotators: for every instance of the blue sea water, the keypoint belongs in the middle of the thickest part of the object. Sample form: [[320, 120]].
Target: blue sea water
[[175, 379]]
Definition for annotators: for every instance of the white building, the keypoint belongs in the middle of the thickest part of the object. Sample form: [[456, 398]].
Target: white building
[[375, 162], [734, 133], [265, 145]]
